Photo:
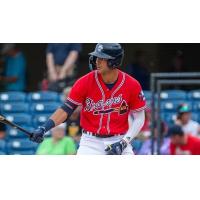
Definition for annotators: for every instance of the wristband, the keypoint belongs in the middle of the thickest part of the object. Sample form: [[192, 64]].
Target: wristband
[[48, 125]]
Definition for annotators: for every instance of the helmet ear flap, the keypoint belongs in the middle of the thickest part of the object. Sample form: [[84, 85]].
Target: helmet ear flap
[[115, 62], [92, 62]]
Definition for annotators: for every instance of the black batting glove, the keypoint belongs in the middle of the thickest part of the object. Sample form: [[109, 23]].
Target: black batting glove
[[38, 135], [116, 148]]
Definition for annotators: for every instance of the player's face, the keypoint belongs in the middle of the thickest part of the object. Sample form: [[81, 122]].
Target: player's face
[[102, 65]]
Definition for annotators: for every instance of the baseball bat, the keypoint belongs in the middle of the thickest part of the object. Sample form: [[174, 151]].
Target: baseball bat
[[13, 125]]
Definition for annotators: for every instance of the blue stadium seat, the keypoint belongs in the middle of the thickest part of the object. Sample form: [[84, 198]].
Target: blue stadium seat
[[14, 133], [172, 105], [21, 145], [12, 97], [40, 119], [14, 108], [173, 94], [168, 117], [195, 116], [2, 145], [21, 119], [43, 96], [44, 108], [27, 152], [147, 94], [2, 153], [62, 98], [196, 106], [194, 95]]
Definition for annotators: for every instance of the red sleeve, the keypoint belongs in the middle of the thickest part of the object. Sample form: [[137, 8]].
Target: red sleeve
[[172, 149], [138, 101], [78, 92]]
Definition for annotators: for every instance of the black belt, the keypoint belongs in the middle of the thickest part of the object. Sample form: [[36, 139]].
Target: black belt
[[98, 135]]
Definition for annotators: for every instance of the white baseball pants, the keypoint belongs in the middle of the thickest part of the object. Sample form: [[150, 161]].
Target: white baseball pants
[[91, 145]]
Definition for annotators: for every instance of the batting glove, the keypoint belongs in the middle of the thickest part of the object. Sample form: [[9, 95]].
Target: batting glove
[[116, 148], [38, 135]]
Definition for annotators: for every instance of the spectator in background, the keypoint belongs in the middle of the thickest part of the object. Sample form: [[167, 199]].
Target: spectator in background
[[184, 120], [139, 70], [58, 144], [14, 68], [73, 126], [61, 60], [183, 143], [2, 131]]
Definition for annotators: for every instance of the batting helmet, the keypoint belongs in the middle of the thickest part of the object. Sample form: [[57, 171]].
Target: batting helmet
[[112, 52]]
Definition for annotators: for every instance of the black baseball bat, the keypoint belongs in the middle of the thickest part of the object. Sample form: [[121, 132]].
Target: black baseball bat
[[13, 125]]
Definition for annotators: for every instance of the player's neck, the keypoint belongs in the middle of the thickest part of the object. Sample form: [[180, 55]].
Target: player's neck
[[110, 76]]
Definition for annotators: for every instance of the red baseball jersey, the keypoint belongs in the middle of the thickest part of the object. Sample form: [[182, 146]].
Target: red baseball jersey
[[192, 147], [106, 111]]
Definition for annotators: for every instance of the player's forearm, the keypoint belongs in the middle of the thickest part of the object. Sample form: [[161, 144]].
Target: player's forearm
[[59, 116], [138, 122]]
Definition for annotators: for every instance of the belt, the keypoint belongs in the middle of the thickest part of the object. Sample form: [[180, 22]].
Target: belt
[[100, 136]]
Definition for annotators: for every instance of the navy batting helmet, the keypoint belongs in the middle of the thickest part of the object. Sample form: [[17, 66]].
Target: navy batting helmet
[[112, 52]]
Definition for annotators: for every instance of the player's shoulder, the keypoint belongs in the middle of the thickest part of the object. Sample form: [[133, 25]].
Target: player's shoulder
[[85, 78]]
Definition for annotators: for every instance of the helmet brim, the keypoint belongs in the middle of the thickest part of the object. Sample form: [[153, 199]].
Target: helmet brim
[[101, 55]]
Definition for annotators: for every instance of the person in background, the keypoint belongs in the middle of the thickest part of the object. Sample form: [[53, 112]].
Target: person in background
[[73, 126], [139, 70], [61, 60], [58, 144], [183, 143], [14, 68], [184, 120]]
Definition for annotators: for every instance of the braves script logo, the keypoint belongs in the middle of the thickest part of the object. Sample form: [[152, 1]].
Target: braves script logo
[[100, 106]]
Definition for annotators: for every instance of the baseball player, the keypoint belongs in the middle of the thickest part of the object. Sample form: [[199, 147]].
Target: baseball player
[[108, 97]]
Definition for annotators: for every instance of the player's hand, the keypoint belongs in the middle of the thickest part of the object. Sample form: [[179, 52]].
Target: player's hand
[[116, 148], [38, 135]]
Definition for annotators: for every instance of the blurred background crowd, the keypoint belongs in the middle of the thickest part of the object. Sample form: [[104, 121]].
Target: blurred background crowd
[[36, 78]]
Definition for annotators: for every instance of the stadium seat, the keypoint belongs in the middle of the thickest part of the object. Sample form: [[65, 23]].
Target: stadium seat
[[173, 94], [2, 153], [14, 108], [196, 106], [13, 152], [2, 145], [21, 145], [194, 95], [44, 108], [43, 96], [172, 105], [168, 117], [21, 119], [12, 97], [62, 98], [40, 119], [14, 133]]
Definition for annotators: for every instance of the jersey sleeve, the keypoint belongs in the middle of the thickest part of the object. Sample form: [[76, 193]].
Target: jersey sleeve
[[137, 102], [78, 92]]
